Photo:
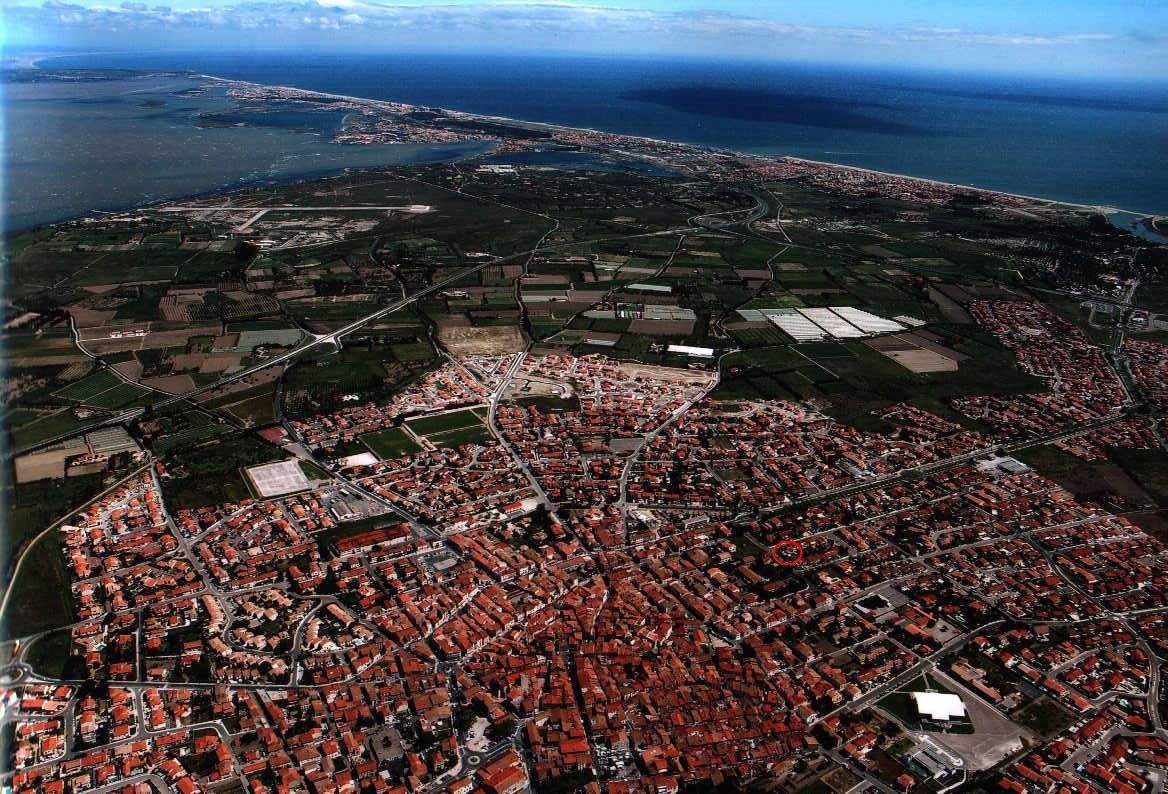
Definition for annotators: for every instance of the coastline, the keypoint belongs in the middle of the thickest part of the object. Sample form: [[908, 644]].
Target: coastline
[[39, 61], [1102, 208], [542, 125], [242, 183]]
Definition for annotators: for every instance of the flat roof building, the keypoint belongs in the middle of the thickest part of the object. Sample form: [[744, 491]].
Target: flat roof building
[[938, 706], [110, 441], [689, 350]]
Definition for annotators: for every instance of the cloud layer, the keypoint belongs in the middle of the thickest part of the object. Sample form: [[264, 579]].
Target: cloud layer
[[517, 17], [514, 25]]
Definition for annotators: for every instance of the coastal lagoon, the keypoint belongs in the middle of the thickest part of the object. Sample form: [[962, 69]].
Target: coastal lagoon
[[73, 148], [1088, 142]]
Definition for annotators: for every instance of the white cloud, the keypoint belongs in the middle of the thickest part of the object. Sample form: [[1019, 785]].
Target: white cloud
[[582, 22]]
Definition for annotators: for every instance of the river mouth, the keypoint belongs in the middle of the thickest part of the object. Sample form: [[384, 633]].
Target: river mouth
[[1142, 226]]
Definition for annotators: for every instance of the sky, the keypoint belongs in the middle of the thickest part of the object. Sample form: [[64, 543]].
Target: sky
[[1105, 38]]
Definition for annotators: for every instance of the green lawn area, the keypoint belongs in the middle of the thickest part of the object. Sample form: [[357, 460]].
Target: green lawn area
[[41, 598], [312, 471], [49, 654], [463, 435], [391, 443], [209, 473], [1045, 716], [441, 423], [901, 706], [548, 403]]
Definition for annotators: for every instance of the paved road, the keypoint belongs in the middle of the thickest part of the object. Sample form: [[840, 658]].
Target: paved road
[[680, 411], [311, 344], [56, 524], [332, 338], [936, 466], [279, 208]]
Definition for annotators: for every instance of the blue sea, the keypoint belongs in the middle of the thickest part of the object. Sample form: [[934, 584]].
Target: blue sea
[[1090, 142]]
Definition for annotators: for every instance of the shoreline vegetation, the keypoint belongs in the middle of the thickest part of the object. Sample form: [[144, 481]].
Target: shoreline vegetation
[[389, 106]]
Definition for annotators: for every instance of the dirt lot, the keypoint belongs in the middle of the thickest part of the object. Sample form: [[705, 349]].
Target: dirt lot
[[662, 327], [90, 317], [131, 369], [522, 386], [949, 307], [919, 360], [42, 465], [483, 341], [1096, 480], [47, 361], [917, 352], [994, 736], [171, 384], [97, 340], [250, 382], [672, 374], [218, 362], [1154, 522]]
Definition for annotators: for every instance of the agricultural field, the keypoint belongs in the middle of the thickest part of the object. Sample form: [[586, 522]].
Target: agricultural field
[[624, 507]]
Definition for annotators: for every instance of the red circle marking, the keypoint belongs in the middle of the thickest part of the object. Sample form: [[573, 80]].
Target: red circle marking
[[787, 545]]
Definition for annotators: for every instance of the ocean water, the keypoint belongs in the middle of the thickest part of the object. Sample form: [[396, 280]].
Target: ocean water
[[1080, 141]]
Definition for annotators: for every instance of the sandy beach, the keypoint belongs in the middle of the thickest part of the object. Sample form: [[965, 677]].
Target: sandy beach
[[545, 126]]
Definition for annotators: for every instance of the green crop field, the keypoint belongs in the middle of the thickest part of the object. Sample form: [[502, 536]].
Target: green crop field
[[46, 427], [89, 386], [757, 337], [774, 359], [122, 394]]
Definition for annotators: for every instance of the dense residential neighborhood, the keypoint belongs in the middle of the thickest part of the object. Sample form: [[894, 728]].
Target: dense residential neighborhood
[[578, 588], [671, 471]]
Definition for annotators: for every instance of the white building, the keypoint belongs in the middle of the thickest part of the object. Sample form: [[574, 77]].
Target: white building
[[939, 706]]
